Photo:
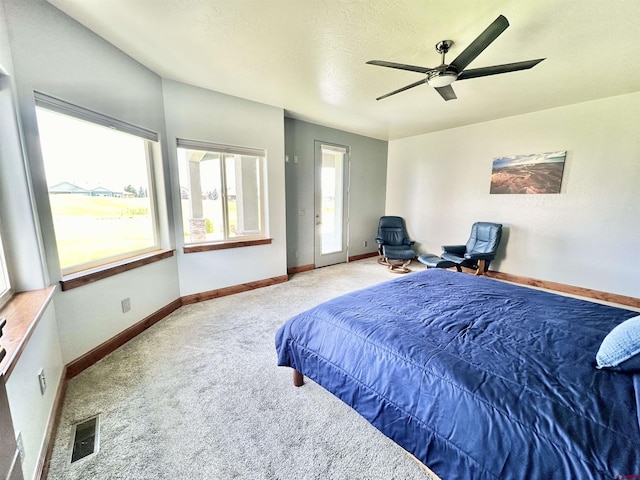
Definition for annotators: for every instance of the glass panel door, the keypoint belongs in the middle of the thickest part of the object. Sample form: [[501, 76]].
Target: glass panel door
[[330, 215]]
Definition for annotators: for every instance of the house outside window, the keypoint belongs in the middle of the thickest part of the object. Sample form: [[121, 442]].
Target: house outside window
[[99, 176], [222, 192]]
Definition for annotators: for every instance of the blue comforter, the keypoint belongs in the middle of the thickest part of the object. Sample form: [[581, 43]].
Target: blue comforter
[[477, 378]]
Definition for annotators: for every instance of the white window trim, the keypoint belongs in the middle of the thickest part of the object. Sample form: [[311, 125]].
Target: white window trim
[[5, 295], [60, 106], [50, 103], [231, 150]]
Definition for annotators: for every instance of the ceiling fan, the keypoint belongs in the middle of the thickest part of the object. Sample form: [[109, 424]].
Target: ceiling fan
[[444, 75]]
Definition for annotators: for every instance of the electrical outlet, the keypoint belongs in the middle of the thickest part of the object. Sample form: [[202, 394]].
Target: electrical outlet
[[20, 446], [365, 243], [42, 380], [126, 304]]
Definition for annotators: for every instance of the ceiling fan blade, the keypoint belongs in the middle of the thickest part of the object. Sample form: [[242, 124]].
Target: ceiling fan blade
[[446, 92], [476, 47], [400, 66], [496, 69], [424, 80]]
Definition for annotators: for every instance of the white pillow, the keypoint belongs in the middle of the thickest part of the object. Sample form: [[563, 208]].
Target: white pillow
[[620, 349]]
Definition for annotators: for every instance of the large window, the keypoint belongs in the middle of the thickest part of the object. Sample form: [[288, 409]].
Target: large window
[[99, 173], [222, 192]]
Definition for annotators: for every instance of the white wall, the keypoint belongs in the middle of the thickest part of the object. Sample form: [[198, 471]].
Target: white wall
[[92, 314], [55, 55], [25, 259], [30, 410], [197, 114], [587, 236]]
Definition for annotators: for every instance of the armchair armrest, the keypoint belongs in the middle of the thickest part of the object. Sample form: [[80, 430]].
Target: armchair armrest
[[406, 241], [455, 249], [379, 241]]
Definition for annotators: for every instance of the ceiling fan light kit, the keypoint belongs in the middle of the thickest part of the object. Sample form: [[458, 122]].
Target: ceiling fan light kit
[[441, 77]]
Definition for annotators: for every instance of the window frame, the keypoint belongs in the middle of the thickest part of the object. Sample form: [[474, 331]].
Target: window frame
[[6, 294], [151, 140], [225, 150]]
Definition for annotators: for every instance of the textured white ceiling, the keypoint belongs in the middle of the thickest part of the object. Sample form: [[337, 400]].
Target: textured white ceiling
[[308, 56]]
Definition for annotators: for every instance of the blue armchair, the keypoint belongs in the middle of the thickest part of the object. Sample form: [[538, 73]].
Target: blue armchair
[[479, 250], [394, 245]]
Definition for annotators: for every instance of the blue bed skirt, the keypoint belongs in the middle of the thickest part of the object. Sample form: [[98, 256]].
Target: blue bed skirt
[[477, 378]]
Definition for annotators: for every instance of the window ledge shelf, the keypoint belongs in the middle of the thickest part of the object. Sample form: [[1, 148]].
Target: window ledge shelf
[[93, 275], [23, 312], [206, 247]]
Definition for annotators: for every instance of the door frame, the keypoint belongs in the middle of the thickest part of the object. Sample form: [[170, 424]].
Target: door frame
[[320, 259]]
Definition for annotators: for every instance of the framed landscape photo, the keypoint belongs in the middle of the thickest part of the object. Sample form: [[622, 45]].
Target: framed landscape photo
[[531, 173]]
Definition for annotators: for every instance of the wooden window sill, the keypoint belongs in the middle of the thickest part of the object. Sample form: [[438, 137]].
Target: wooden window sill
[[93, 275], [206, 247], [23, 312]]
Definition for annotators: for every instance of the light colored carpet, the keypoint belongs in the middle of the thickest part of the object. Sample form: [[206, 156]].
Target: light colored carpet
[[199, 396]]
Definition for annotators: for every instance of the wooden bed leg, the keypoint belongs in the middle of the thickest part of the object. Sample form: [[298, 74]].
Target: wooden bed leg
[[298, 379]]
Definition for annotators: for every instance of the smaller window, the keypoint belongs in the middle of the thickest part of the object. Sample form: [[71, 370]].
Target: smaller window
[[222, 192]]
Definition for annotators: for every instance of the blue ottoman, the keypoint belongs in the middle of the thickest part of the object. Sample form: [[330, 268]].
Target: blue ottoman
[[434, 261]]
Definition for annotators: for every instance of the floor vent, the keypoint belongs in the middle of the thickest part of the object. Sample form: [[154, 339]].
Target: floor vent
[[86, 438]]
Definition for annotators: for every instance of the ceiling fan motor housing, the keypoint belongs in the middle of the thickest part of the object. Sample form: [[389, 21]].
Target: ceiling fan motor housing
[[443, 46]]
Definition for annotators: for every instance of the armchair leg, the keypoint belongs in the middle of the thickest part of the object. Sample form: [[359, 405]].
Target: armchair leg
[[481, 267], [397, 267]]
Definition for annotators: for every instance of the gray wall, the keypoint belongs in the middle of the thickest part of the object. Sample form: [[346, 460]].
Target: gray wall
[[367, 188]]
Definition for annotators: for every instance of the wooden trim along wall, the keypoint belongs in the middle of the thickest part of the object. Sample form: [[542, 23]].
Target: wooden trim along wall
[[93, 275], [85, 361], [101, 351], [207, 247], [42, 468], [300, 269], [311, 266], [23, 312], [362, 256], [570, 289], [223, 292]]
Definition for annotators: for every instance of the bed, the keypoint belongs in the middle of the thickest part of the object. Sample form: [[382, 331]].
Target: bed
[[476, 378]]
